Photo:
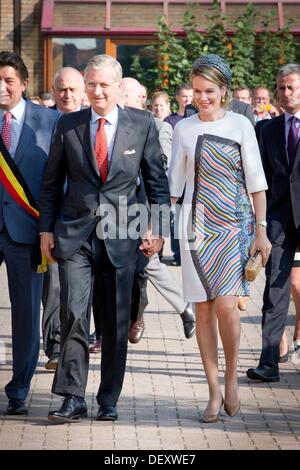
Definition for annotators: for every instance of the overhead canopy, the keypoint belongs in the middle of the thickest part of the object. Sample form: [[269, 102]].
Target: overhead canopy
[[134, 17]]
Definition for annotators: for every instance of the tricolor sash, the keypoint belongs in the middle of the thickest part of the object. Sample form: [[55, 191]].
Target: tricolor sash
[[14, 183]]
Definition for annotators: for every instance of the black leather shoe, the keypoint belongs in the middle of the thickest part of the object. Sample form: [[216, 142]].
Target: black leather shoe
[[70, 410], [188, 320], [107, 413], [16, 407], [264, 373]]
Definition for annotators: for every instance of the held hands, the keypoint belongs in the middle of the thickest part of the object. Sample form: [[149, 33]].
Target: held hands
[[262, 244], [47, 245], [151, 244]]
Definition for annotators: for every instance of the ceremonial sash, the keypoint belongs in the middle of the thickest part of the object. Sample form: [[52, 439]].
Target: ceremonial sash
[[16, 186]]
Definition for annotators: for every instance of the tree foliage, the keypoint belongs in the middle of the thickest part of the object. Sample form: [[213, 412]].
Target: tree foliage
[[254, 58]]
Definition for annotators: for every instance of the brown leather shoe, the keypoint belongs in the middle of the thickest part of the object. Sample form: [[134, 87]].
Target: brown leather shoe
[[136, 330], [52, 363], [95, 347]]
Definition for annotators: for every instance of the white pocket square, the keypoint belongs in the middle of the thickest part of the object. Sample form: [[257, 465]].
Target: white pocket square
[[129, 152]]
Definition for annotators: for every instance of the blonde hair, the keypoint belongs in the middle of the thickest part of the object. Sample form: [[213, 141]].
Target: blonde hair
[[213, 75], [101, 61], [161, 94]]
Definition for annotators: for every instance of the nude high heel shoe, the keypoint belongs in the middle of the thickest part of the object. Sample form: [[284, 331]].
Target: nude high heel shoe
[[232, 410], [212, 418]]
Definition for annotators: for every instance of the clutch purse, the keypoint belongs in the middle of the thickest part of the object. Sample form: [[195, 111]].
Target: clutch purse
[[253, 266]]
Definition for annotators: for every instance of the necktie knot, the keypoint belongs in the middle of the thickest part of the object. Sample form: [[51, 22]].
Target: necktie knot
[[101, 121], [7, 117]]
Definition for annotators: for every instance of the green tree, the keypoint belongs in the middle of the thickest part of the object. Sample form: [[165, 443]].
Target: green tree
[[170, 66], [215, 40], [254, 59], [242, 54], [193, 41], [272, 49]]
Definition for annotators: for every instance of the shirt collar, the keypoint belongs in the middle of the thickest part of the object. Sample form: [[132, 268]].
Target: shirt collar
[[17, 112], [287, 115], [111, 117]]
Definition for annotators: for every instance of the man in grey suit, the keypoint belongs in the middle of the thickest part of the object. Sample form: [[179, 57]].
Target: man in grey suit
[[26, 131], [89, 229]]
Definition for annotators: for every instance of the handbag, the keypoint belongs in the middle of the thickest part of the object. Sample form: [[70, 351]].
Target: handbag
[[253, 266]]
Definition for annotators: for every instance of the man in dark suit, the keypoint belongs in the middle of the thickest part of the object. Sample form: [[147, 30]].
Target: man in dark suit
[[91, 229], [236, 106], [280, 151], [26, 131]]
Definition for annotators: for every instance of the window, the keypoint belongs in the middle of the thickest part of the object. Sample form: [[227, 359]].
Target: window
[[75, 52]]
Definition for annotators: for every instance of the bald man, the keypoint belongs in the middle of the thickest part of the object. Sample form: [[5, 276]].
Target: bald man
[[68, 89]]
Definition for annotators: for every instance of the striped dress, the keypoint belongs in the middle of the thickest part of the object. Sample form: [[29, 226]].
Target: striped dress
[[219, 164]]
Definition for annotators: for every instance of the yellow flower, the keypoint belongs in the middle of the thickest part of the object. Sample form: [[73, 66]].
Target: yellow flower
[[265, 107]]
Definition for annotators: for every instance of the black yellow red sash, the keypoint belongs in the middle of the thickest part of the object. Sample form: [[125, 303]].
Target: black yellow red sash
[[16, 186]]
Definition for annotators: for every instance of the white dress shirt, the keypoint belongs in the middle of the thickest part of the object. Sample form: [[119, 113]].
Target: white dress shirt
[[16, 124]]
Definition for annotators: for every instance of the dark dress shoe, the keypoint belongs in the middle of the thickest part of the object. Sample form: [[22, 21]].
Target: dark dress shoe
[[188, 320], [16, 407], [264, 373], [70, 410], [52, 363], [95, 347], [107, 413], [136, 330]]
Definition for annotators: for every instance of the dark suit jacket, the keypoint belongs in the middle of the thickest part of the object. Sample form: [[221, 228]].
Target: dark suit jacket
[[72, 219], [283, 195], [31, 158], [236, 106]]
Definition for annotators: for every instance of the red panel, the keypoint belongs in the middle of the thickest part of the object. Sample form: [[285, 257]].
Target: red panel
[[47, 15]]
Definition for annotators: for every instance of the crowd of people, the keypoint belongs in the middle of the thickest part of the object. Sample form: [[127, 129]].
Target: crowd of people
[[93, 178]]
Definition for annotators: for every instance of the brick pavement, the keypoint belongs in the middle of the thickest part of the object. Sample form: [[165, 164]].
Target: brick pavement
[[163, 396]]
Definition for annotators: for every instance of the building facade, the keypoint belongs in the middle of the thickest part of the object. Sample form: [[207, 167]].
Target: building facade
[[50, 34]]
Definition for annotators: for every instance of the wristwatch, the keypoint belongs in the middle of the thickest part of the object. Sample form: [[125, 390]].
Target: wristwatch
[[263, 223]]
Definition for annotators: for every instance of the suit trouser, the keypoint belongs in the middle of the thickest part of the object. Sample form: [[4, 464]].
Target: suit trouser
[[51, 312], [276, 297], [25, 290], [162, 279], [114, 285]]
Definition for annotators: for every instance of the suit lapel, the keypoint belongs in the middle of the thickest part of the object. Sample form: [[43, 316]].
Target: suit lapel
[[84, 134], [28, 131], [121, 143]]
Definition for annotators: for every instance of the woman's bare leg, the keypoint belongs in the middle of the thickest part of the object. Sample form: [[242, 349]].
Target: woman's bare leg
[[207, 338]]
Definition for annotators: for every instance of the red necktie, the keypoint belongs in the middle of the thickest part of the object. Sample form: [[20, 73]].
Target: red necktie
[[101, 150], [5, 133]]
